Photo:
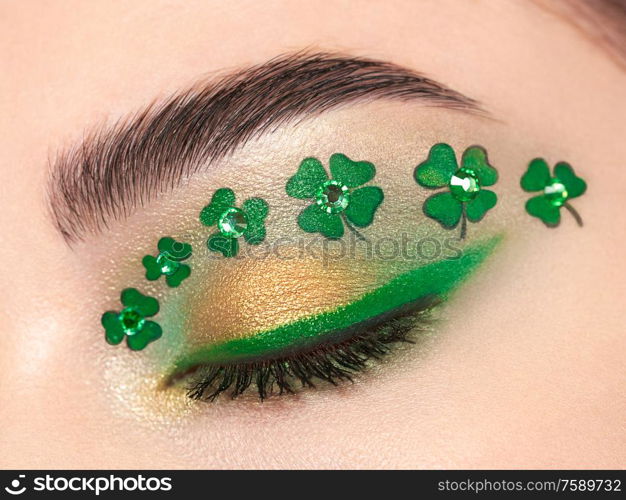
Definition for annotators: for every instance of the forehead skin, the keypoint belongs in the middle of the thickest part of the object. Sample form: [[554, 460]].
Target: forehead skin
[[534, 395]]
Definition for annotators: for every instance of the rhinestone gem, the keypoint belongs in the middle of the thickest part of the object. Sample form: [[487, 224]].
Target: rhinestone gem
[[556, 192], [332, 197], [464, 185], [131, 321], [233, 223]]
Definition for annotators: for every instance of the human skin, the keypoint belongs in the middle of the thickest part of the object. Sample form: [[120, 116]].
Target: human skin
[[526, 372]]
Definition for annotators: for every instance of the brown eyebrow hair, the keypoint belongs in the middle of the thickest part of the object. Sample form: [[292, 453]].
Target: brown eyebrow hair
[[116, 169]]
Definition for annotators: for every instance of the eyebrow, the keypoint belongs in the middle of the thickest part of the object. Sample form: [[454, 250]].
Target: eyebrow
[[116, 169]]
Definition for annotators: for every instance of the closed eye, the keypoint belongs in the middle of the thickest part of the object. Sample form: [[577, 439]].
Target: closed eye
[[332, 346]]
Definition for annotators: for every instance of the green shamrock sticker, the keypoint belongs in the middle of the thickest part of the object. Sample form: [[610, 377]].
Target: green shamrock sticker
[[335, 201], [556, 191], [131, 321], [233, 223], [168, 262], [464, 197]]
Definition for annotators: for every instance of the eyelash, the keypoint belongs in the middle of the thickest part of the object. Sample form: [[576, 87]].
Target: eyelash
[[330, 363]]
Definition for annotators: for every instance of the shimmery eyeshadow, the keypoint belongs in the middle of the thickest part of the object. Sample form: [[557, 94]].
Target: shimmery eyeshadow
[[232, 222], [432, 280], [464, 197], [168, 262], [555, 191]]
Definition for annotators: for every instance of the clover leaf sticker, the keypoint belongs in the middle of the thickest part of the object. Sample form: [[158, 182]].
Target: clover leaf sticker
[[131, 321], [233, 223], [556, 190], [464, 197], [168, 262], [338, 200]]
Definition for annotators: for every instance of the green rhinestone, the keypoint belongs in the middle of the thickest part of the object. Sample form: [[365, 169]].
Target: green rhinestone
[[233, 223], [131, 320], [332, 197], [464, 184], [556, 192], [167, 265]]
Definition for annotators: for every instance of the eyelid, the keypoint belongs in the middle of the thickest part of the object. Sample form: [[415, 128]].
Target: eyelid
[[436, 279], [116, 169]]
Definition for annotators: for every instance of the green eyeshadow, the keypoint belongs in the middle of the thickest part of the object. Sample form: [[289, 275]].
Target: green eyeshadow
[[435, 279]]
